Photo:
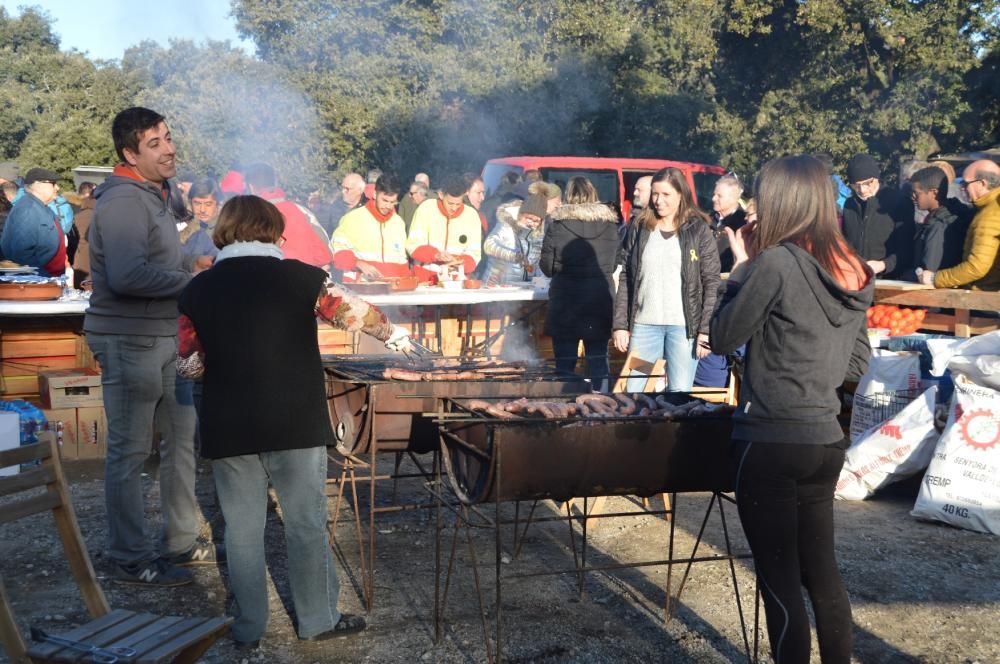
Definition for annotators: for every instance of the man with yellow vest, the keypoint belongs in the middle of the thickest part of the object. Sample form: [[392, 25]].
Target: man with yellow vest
[[980, 266], [371, 240], [445, 231]]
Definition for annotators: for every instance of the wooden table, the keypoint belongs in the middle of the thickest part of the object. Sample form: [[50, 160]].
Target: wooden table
[[962, 323]]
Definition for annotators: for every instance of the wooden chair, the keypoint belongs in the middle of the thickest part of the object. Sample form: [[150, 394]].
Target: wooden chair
[[653, 371], [153, 638]]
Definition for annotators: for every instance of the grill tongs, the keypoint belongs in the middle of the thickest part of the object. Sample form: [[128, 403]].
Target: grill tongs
[[419, 351]]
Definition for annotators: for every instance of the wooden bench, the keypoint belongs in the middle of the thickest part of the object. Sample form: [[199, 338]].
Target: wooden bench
[[154, 638]]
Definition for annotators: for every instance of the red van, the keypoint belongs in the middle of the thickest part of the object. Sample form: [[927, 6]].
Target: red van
[[613, 178]]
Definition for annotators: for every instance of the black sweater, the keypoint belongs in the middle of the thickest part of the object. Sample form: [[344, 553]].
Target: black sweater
[[264, 388], [882, 229], [805, 334]]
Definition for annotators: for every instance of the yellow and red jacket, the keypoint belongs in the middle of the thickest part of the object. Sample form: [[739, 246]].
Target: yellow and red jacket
[[365, 235], [433, 230]]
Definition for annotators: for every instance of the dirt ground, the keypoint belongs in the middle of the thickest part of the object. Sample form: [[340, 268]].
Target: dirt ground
[[921, 592]]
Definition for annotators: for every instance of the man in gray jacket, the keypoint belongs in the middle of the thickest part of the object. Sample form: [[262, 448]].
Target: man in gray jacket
[[138, 270]]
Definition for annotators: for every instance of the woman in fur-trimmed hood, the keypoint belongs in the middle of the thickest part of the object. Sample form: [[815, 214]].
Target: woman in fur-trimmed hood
[[580, 252], [515, 243]]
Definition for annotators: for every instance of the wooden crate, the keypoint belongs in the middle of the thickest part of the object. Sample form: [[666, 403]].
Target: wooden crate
[[28, 346]]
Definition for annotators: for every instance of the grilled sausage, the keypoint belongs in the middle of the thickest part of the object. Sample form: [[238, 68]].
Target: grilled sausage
[[478, 404], [598, 398], [499, 413], [627, 405], [403, 374], [646, 400]]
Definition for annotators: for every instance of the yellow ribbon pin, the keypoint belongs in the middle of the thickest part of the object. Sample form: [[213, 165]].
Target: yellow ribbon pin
[[694, 256]]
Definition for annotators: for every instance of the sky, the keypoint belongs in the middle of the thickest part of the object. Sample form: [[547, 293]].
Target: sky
[[105, 28]]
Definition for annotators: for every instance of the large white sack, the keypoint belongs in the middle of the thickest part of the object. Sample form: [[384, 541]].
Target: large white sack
[[962, 484], [888, 372], [978, 358], [892, 451]]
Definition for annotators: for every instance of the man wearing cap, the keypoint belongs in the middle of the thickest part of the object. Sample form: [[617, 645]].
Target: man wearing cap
[[32, 235], [980, 266], [445, 232], [878, 222]]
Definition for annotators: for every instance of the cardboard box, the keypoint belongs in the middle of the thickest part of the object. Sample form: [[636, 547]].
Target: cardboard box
[[63, 423], [92, 433], [10, 438], [70, 388]]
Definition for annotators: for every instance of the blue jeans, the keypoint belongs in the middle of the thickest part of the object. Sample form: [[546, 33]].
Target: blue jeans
[[652, 342], [138, 374], [299, 478], [596, 351]]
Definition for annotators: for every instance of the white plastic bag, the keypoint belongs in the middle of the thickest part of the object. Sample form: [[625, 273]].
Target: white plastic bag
[[891, 451], [887, 372], [977, 357], [962, 484]]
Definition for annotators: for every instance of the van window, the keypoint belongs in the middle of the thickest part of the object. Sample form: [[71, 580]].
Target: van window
[[606, 182], [704, 184], [492, 174]]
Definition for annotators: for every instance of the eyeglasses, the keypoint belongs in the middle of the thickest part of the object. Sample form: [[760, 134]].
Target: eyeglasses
[[733, 175], [966, 185]]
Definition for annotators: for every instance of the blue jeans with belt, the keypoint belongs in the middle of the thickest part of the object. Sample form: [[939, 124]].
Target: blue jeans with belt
[[299, 479], [139, 380], [671, 342]]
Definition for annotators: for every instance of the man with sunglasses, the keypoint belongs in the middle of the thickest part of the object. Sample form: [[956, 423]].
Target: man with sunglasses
[[980, 266], [878, 221], [33, 235]]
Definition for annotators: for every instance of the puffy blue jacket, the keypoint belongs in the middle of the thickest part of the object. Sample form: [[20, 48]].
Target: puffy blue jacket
[[30, 236]]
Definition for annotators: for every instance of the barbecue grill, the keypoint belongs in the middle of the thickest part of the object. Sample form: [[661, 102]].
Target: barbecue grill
[[490, 459], [372, 414]]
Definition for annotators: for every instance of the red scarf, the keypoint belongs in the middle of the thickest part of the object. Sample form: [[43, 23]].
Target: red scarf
[[444, 211], [379, 217]]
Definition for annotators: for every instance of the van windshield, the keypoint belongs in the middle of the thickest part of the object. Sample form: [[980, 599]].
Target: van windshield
[[606, 182], [494, 172]]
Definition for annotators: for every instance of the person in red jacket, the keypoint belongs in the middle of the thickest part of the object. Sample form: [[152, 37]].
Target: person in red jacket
[[304, 239]]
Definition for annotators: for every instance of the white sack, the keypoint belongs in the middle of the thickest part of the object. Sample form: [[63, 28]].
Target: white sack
[[887, 372], [892, 451], [962, 484]]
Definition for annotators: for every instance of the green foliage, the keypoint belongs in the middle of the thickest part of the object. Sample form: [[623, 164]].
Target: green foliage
[[443, 85]]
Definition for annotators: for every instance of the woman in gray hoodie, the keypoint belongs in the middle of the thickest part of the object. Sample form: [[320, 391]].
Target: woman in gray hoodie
[[797, 297]]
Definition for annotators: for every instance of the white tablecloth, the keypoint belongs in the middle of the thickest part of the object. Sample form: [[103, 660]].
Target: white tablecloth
[[441, 296], [43, 307]]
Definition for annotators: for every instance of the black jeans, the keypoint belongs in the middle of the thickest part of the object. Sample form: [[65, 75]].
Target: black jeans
[[596, 352], [784, 493]]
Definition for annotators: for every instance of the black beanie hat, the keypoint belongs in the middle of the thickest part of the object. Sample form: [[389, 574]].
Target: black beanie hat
[[862, 167]]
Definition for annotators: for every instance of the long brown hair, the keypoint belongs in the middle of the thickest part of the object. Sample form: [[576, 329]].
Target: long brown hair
[[687, 209], [795, 203]]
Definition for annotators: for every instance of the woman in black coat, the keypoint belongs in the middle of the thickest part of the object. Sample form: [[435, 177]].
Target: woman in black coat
[[579, 253]]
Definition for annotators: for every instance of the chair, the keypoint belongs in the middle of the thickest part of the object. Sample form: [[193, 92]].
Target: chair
[[153, 638], [654, 371]]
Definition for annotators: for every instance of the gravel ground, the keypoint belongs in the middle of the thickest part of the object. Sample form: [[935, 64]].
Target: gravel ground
[[921, 592]]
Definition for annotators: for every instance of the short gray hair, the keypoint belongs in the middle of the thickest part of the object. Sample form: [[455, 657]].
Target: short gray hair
[[731, 181], [991, 179], [421, 187]]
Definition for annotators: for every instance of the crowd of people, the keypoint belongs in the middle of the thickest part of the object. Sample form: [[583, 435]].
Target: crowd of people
[[221, 282]]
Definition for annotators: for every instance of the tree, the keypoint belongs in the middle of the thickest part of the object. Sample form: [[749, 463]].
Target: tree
[[226, 108]]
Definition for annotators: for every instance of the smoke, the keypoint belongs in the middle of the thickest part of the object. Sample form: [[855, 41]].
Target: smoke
[[225, 108]]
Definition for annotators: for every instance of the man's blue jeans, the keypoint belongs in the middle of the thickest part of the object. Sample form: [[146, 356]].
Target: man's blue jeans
[[651, 342], [138, 374], [299, 478]]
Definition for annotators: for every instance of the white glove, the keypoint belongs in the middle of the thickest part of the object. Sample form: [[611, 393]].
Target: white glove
[[399, 340]]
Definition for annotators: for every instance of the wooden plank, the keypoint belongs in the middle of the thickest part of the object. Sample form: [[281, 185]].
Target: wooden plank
[[27, 479], [19, 385], [159, 626], [38, 335], [125, 629], [39, 348], [202, 629], [939, 297], [46, 651], [29, 506], [30, 366], [24, 454], [164, 634]]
